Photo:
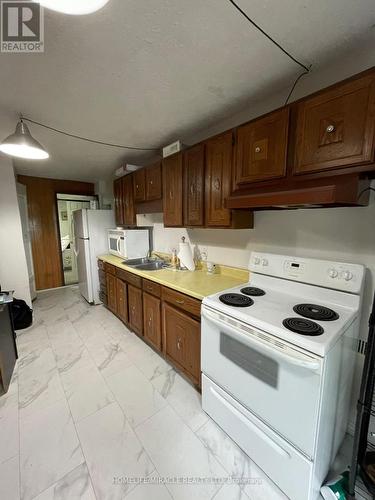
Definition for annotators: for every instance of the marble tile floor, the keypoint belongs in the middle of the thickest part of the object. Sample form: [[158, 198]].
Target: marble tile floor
[[93, 413]]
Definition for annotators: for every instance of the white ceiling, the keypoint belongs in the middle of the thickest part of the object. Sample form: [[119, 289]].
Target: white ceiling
[[146, 72]]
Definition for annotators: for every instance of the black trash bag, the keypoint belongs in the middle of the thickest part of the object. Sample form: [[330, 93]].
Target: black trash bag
[[22, 314]]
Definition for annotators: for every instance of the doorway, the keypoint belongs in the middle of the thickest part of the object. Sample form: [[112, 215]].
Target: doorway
[[66, 205]]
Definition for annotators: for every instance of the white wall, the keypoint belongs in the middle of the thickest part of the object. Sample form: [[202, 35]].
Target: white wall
[[13, 266]]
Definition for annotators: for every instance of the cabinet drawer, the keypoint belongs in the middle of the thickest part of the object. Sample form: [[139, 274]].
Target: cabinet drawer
[[129, 277], [181, 341], [151, 287], [335, 129], [109, 268], [182, 301], [100, 264]]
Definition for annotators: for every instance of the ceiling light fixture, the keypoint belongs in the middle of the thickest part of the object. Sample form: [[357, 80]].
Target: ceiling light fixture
[[23, 145], [73, 7]]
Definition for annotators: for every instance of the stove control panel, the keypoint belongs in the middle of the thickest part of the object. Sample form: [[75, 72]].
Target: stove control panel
[[337, 275]]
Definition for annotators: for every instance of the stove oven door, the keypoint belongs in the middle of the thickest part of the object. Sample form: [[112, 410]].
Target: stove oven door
[[276, 382]]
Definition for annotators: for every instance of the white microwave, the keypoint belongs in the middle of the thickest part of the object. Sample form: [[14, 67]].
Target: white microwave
[[129, 243]]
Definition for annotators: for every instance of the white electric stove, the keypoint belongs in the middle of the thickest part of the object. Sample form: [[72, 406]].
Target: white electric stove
[[278, 359]]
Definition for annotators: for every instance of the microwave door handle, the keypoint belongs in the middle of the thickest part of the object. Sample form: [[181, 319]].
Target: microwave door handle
[[118, 244], [252, 341]]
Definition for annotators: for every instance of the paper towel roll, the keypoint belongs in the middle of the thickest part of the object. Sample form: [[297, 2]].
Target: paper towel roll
[[186, 257]]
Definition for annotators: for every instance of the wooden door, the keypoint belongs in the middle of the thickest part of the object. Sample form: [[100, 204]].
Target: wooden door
[[135, 309], [172, 190], [153, 182], [218, 179], [117, 192], [152, 320], [129, 218], [335, 128], [261, 148], [139, 181], [122, 300], [194, 186], [181, 341], [111, 293]]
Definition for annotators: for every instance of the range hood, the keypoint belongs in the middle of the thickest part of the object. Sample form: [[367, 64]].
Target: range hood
[[340, 191]]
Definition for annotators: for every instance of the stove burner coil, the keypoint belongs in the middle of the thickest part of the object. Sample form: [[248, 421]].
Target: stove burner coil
[[303, 326], [236, 299], [316, 312], [253, 291]]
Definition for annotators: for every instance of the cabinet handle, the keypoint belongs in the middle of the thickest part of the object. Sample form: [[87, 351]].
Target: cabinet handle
[[179, 344], [137, 186], [330, 129], [151, 182], [170, 195], [192, 188], [180, 301], [150, 320], [217, 184], [258, 149]]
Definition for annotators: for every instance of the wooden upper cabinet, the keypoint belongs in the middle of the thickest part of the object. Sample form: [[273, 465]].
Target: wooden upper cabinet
[[152, 320], [335, 128], [129, 217], [194, 171], [261, 148], [119, 211], [172, 190], [139, 181], [153, 182], [218, 179]]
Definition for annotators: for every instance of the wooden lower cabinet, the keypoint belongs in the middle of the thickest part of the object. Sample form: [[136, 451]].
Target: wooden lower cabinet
[[181, 341], [152, 320], [111, 293], [135, 309], [122, 300]]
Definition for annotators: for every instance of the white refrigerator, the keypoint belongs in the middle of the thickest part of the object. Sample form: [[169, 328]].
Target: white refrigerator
[[91, 240]]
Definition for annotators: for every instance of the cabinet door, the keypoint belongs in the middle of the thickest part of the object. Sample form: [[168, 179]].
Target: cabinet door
[[261, 148], [122, 300], [152, 320], [153, 182], [181, 341], [128, 201], [117, 192], [135, 309], [111, 293], [139, 181], [194, 186], [172, 190], [335, 129], [218, 179]]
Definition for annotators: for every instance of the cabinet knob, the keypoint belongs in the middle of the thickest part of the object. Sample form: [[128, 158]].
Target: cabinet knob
[[217, 184], [137, 186], [257, 149], [179, 344], [192, 188], [330, 129], [151, 182], [180, 301], [170, 195]]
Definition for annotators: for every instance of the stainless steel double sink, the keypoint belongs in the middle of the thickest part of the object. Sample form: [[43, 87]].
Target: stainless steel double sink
[[146, 264]]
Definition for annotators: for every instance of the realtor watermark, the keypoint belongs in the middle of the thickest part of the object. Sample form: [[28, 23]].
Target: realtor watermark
[[22, 27]]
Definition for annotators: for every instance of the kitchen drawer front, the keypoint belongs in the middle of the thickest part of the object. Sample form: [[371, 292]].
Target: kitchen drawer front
[[181, 341], [151, 287], [182, 301], [102, 276], [271, 453], [129, 277], [109, 268], [100, 264], [335, 129]]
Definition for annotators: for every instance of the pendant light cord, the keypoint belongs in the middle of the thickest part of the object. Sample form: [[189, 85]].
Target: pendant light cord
[[24, 118]]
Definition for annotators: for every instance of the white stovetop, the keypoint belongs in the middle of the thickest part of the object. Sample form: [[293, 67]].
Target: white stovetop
[[268, 311]]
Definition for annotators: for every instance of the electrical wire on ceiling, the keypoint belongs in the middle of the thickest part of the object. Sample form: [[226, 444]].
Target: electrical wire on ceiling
[[306, 69], [24, 118]]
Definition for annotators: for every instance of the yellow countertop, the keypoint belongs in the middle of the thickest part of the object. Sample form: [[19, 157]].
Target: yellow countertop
[[197, 284]]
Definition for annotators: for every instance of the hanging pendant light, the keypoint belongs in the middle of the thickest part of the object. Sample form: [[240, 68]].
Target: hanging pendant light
[[73, 7], [23, 145]]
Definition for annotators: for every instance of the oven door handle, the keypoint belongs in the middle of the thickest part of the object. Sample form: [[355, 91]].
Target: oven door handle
[[297, 359]]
